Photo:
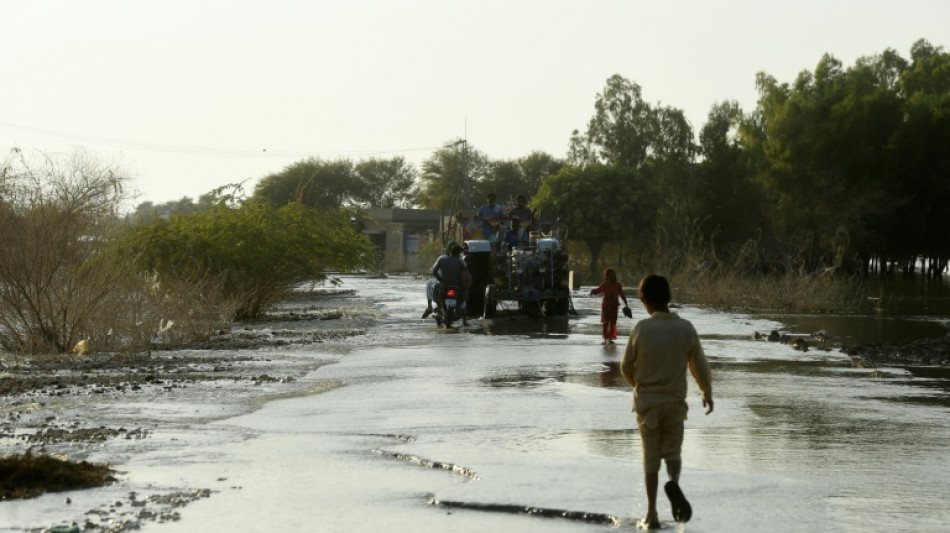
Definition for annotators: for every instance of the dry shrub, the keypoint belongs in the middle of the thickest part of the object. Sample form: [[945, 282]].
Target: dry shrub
[[144, 313], [743, 279], [778, 292], [192, 310], [54, 223]]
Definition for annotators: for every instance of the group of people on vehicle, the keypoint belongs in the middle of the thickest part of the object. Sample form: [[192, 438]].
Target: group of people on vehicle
[[451, 270], [492, 221]]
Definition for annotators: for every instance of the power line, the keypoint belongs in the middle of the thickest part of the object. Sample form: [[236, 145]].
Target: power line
[[199, 150]]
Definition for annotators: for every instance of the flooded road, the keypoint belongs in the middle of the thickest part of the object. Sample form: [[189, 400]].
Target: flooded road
[[516, 413]]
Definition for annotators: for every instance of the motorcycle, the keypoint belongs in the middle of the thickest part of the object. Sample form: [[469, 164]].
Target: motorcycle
[[448, 303], [450, 306]]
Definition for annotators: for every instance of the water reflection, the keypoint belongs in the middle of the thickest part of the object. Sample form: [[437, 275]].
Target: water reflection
[[548, 327], [615, 443], [610, 377], [900, 309], [910, 295], [866, 329], [606, 375]]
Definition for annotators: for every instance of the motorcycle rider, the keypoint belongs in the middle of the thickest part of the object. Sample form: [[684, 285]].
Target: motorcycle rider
[[448, 270], [430, 285]]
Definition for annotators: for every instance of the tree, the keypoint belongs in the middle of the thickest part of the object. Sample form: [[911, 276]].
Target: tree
[[313, 182], [385, 183], [450, 176], [505, 179], [725, 179], [826, 145], [621, 131], [599, 204], [150, 212], [536, 167], [510, 178], [671, 162], [919, 225]]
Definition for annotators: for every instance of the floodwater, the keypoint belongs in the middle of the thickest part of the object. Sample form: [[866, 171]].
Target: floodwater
[[516, 413]]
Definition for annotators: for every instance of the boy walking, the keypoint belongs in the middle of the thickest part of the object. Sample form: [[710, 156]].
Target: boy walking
[[659, 351]]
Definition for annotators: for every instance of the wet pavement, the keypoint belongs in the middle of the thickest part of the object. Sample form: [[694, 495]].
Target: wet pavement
[[513, 424]]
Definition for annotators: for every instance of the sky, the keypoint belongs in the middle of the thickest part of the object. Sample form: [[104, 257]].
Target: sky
[[188, 96]]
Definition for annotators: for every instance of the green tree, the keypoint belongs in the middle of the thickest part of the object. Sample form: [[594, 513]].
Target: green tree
[[536, 167], [919, 226], [257, 253], [385, 183], [509, 178], [505, 179], [826, 144], [654, 143], [621, 131], [450, 177], [149, 211], [671, 163], [726, 184], [600, 204], [316, 183]]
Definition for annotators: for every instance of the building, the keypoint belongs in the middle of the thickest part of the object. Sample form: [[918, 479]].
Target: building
[[400, 236]]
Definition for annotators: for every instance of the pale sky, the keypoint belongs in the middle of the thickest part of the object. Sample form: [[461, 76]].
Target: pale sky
[[188, 96]]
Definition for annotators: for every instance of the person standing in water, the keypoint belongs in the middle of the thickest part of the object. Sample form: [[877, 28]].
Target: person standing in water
[[613, 292], [659, 351]]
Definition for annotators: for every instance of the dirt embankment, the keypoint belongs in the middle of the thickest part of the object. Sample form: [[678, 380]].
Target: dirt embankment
[[924, 352]]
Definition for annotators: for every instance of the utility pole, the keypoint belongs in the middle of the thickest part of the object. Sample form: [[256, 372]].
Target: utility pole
[[466, 199]]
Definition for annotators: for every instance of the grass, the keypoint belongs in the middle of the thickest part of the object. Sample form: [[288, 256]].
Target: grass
[[787, 293], [28, 476]]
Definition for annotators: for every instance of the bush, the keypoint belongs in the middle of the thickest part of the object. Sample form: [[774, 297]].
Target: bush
[[245, 257], [55, 219]]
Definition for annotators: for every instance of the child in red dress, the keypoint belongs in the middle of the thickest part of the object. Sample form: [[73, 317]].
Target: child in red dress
[[610, 304]]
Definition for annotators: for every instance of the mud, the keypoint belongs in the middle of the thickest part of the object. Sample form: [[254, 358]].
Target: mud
[[41, 399]]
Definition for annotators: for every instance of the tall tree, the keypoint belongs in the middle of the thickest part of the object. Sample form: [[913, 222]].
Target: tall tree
[[827, 147], [620, 132], [505, 179], [725, 174], [670, 161], [920, 225]]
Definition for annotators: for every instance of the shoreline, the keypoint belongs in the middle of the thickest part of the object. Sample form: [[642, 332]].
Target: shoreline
[[85, 408]]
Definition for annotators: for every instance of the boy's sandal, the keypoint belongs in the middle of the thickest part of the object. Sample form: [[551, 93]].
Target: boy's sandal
[[682, 511]]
